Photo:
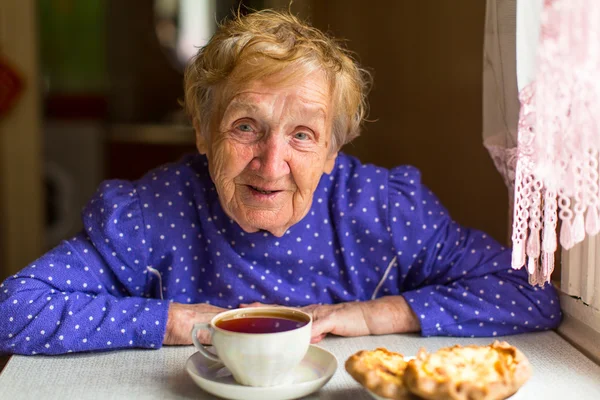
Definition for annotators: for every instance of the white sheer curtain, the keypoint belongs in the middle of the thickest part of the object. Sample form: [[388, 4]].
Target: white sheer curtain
[[511, 35], [500, 96]]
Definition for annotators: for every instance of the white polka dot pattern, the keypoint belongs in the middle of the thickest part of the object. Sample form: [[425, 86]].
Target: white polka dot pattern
[[96, 292]]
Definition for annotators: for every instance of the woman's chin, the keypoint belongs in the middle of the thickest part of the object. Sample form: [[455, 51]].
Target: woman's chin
[[254, 221]]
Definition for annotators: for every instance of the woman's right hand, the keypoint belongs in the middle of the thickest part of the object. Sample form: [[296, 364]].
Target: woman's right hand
[[182, 318]]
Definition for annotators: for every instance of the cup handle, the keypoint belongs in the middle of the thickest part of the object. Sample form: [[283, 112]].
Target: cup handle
[[200, 346]]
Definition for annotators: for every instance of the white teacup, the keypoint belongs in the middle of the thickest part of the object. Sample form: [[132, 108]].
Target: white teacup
[[266, 358]]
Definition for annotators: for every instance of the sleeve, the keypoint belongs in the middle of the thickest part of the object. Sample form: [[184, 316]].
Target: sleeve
[[459, 281], [89, 293]]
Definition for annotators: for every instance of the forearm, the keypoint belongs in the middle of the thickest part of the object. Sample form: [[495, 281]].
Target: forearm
[[390, 314], [42, 322], [501, 303]]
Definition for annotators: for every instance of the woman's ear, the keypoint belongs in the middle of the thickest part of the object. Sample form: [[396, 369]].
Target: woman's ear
[[330, 163], [201, 138]]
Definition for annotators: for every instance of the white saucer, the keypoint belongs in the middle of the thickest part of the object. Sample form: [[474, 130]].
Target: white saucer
[[314, 371]]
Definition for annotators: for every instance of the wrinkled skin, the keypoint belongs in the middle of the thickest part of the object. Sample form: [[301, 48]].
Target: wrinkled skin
[[269, 151]]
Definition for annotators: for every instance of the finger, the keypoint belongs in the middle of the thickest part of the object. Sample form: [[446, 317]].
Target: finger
[[309, 309], [203, 337], [323, 323], [317, 339], [255, 304]]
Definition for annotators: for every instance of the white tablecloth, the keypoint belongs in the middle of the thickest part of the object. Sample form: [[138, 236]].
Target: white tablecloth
[[559, 371]]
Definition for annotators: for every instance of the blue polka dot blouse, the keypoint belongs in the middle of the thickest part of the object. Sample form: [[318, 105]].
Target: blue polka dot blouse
[[370, 232]]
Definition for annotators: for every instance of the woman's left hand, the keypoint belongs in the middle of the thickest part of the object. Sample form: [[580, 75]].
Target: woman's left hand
[[375, 317]]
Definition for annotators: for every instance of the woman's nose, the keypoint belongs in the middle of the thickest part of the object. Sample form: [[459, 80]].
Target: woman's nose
[[271, 161]]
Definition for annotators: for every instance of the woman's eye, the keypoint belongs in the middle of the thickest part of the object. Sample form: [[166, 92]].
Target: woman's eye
[[301, 136], [245, 127]]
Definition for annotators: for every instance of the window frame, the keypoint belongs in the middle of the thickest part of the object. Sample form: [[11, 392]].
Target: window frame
[[580, 296]]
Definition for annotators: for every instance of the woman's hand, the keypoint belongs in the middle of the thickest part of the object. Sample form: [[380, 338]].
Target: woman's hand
[[342, 319], [375, 317], [182, 318]]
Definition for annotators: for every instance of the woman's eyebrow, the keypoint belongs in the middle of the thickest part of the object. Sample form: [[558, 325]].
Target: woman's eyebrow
[[242, 105], [317, 112], [316, 109]]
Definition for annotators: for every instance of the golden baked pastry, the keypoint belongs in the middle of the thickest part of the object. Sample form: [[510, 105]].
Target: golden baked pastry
[[380, 371], [492, 372]]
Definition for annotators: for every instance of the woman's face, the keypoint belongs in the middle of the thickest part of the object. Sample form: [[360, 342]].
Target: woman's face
[[269, 151]]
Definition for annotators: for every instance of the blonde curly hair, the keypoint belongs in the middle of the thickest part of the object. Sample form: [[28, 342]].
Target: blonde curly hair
[[265, 43]]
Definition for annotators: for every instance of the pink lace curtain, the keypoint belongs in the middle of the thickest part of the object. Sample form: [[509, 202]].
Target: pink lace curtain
[[550, 157], [559, 139]]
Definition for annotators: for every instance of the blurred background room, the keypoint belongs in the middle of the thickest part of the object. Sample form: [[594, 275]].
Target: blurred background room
[[89, 90]]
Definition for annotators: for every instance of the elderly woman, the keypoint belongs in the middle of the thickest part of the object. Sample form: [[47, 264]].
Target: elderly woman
[[269, 211]]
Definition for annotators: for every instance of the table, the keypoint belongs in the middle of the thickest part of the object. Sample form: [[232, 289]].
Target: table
[[559, 371]]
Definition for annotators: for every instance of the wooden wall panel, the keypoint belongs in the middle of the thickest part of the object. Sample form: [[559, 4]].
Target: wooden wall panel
[[426, 57]]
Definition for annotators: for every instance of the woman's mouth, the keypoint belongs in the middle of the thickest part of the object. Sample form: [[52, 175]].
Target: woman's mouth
[[263, 191]]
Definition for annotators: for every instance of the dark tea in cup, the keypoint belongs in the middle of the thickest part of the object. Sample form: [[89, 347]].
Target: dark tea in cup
[[262, 323]]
